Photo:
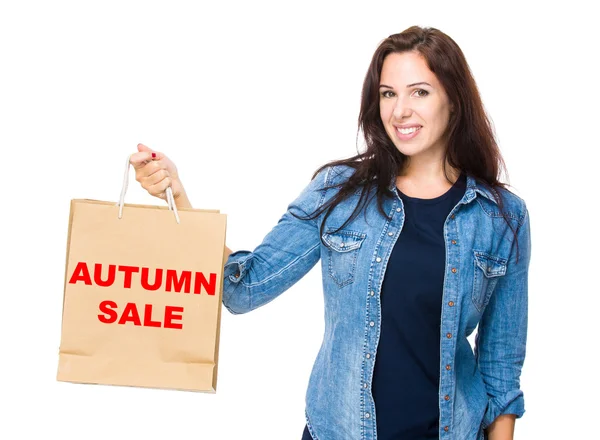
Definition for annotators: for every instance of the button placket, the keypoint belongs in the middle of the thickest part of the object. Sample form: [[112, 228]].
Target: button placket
[[370, 323], [449, 314]]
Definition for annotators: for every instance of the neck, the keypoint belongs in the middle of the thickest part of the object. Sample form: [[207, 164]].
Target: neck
[[428, 172]]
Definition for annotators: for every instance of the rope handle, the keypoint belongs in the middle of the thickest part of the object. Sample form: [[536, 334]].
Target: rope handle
[[169, 193]]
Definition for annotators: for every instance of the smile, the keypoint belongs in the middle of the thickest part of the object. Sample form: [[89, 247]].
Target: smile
[[408, 130], [405, 134]]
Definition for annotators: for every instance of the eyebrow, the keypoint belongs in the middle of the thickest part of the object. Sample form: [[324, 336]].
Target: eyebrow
[[410, 85]]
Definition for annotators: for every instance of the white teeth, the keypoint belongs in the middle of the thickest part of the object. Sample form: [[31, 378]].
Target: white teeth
[[408, 130]]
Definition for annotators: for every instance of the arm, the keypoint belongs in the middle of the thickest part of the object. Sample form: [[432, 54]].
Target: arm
[[502, 428], [286, 254], [501, 340]]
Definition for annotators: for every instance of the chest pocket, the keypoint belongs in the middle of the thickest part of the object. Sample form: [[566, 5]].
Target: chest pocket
[[487, 271], [342, 253]]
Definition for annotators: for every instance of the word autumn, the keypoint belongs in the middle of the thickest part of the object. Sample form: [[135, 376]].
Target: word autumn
[[173, 282]]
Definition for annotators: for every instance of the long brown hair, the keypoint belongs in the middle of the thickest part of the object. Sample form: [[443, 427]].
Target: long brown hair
[[471, 144]]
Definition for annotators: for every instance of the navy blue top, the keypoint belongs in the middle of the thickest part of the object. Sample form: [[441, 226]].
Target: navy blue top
[[407, 363], [406, 376]]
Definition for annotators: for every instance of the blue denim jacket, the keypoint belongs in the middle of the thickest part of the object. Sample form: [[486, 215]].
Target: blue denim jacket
[[484, 287]]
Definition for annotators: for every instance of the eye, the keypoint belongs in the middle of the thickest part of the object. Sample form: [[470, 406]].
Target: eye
[[387, 93], [421, 93]]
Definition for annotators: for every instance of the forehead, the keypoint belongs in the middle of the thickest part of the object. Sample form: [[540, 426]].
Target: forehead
[[404, 68]]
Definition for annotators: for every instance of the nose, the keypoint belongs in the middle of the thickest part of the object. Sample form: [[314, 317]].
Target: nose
[[402, 108]]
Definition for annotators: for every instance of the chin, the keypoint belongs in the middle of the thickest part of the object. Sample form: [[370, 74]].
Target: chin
[[409, 150]]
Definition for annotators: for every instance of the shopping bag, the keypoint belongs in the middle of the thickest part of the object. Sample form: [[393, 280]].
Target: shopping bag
[[142, 295]]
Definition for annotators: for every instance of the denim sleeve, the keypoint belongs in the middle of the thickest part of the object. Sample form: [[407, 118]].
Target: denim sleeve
[[254, 278], [502, 334]]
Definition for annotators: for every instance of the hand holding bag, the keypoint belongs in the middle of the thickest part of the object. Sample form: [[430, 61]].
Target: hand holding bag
[[142, 295]]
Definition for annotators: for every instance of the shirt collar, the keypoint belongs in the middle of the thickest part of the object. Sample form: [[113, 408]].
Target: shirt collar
[[473, 188]]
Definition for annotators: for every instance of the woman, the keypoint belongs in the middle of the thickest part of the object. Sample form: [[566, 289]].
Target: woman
[[419, 243]]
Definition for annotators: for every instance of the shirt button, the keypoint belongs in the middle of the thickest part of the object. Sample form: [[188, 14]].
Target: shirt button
[[446, 397], [372, 293], [452, 216], [451, 303], [454, 270], [372, 324], [342, 244], [378, 259], [237, 275], [453, 241], [398, 209], [448, 367], [446, 428], [365, 386], [367, 415], [390, 233], [449, 335]]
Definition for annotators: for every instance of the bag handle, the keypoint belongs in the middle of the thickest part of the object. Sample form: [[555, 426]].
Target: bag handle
[[169, 193]]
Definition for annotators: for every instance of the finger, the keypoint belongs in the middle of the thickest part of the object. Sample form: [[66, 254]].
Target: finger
[[159, 188], [155, 178], [157, 154], [142, 147], [138, 160], [151, 168]]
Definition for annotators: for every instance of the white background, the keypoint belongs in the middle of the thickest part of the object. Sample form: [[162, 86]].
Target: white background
[[248, 99]]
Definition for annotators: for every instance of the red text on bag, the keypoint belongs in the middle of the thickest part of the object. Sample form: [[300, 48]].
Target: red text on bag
[[130, 314], [174, 281], [170, 280]]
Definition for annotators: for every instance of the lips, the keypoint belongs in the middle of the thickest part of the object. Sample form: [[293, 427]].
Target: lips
[[408, 130], [405, 133]]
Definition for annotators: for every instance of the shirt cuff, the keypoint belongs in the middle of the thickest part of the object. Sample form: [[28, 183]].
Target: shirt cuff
[[237, 265], [510, 403]]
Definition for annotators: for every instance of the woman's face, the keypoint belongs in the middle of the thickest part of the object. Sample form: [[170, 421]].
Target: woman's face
[[413, 106]]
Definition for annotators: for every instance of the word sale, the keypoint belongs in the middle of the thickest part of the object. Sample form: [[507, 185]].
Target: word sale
[[170, 280], [130, 314]]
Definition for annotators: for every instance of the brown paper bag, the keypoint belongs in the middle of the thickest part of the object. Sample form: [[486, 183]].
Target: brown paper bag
[[142, 295]]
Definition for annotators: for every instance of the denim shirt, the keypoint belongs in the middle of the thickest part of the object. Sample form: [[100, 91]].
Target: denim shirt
[[485, 287]]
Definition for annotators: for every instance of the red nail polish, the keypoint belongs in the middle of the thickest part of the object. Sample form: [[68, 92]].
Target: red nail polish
[[153, 155]]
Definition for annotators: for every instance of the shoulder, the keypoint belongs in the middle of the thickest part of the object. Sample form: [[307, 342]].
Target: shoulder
[[513, 205], [333, 175]]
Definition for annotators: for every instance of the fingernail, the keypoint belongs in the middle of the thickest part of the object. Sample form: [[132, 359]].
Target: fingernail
[[153, 155]]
